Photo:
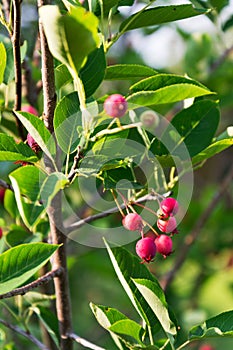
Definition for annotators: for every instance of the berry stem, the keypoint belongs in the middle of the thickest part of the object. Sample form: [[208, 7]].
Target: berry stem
[[117, 203], [144, 207]]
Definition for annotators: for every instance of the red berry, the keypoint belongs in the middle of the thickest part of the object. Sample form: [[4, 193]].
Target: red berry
[[167, 226], [132, 222], [29, 109], [163, 245], [2, 194], [1, 232], [32, 143], [115, 106], [146, 249], [169, 206]]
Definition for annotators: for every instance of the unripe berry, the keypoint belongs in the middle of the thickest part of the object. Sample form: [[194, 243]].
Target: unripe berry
[[163, 245], [146, 249], [32, 143], [169, 206], [149, 119], [132, 222], [115, 106], [1, 232], [29, 109], [167, 226]]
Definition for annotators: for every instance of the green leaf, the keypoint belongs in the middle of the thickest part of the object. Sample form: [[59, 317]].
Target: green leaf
[[20, 263], [92, 164], [41, 189], [29, 179], [159, 15], [212, 149], [62, 76], [19, 236], [165, 88], [122, 178], [10, 204], [9, 69], [154, 296], [9, 72], [128, 268], [198, 122], [92, 74], [63, 32], [129, 328], [67, 119], [35, 126], [2, 61], [228, 24], [219, 4], [114, 321], [51, 186], [128, 71], [49, 320], [218, 326], [12, 151]]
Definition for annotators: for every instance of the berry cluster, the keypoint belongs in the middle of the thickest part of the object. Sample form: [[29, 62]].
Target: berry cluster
[[147, 247]]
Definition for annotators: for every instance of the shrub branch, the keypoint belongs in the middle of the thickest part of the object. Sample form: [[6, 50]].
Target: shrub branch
[[15, 39], [61, 283], [24, 334], [41, 280]]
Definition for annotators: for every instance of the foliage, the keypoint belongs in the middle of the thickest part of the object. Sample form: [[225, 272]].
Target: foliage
[[111, 164]]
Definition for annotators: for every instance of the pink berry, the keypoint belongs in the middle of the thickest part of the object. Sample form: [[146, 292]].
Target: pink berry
[[169, 206], [1, 233], [206, 347], [32, 143], [2, 194], [115, 106], [162, 215], [146, 249], [167, 226], [29, 109], [132, 222], [164, 245]]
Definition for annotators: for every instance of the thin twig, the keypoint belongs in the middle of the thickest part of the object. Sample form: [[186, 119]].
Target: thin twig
[[73, 170], [41, 280], [192, 237], [24, 334], [103, 214], [5, 185], [15, 39], [84, 342], [221, 59]]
